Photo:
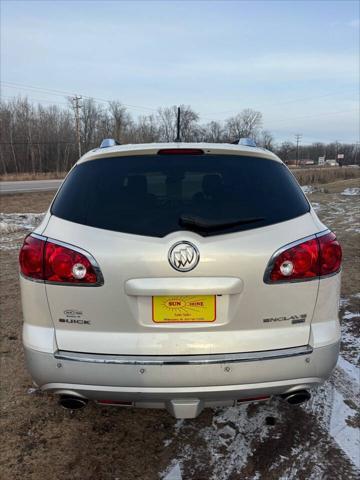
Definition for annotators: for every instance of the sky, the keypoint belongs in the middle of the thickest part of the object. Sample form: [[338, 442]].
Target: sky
[[297, 62]]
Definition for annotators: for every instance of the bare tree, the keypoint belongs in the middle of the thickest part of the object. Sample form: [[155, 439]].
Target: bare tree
[[35, 138], [285, 150], [120, 118], [146, 130], [90, 113], [166, 119], [213, 132], [190, 130], [245, 124], [266, 140]]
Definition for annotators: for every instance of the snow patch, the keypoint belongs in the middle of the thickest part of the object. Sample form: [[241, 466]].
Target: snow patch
[[308, 189], [345, 436], [350, 370], [349, 315], [316, 206], [232, 436], [344, 301], [335, 404], [228, 439], [351, 191], [340, 212], [14, 222], [14, 226], [350, 340], [174, 473]]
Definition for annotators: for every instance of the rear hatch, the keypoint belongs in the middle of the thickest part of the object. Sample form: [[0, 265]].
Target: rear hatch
[[129, 212]]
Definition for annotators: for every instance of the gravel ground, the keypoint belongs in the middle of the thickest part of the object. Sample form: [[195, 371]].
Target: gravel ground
[[319, 440]]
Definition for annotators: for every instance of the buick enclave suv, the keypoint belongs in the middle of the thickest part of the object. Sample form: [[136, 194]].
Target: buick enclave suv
[[180, 276]]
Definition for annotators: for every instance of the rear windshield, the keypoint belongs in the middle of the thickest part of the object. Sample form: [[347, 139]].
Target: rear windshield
[[155, 195]]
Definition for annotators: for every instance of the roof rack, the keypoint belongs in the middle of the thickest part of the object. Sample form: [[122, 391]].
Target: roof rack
[[247, 142], [109, 142]]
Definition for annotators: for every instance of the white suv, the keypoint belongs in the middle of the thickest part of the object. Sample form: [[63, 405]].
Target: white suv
[[180, 276]]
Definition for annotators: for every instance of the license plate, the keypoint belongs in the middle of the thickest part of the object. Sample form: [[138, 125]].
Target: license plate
[[188, 308]]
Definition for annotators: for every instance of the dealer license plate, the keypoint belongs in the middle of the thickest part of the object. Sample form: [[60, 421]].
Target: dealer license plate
[[188, 308]]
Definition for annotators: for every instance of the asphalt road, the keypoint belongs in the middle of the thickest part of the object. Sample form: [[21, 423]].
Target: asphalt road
[[29, 186]]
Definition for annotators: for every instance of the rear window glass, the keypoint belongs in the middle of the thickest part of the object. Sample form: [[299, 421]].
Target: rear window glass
[[155, 195]]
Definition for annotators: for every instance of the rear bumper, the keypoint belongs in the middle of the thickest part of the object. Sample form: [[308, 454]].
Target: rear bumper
[[158, 381]]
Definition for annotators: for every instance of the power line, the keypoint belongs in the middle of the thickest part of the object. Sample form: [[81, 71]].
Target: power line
[[319, 114], [41, 100], [130, 106], [286, 102], [29, 87], [62, 93], [77, 106], [200, 116], [287, 119], [285, 134]]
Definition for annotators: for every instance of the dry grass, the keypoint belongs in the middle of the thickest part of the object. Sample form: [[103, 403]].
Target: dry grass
[[321, 175], [36, 202], [339, 186], [32, 176]]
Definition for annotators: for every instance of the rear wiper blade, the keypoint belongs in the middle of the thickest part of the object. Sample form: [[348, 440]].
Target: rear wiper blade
[[206, 224]]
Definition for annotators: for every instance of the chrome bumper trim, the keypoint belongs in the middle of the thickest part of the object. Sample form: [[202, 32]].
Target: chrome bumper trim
[[183, 359]]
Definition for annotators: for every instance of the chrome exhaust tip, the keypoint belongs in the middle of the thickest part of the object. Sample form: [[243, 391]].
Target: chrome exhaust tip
[[72, 403], [295, 398]]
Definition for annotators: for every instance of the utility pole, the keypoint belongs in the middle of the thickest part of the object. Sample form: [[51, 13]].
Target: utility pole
[[77, 106], [298, 137], [336, 150]]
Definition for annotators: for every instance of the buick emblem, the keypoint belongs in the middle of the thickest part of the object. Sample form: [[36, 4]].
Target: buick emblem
[[184, 256]]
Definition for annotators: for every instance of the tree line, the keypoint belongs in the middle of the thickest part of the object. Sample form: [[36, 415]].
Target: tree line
[[35, 138]]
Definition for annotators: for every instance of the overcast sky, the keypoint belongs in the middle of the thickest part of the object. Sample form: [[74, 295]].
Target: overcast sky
[[296, 62]]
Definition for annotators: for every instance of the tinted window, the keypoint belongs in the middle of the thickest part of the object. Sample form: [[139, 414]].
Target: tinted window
[[153, 194]]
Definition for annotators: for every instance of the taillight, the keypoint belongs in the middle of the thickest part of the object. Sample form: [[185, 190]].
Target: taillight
[[31, 258], [62, 264], [52, 262], [330, 254], [313, 258]]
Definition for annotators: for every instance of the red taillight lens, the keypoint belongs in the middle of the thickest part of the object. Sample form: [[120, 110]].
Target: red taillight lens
[[31, 258], [310, 259], [180, 151], [298, 262], [330, 254], [65, 265], [42, 259]]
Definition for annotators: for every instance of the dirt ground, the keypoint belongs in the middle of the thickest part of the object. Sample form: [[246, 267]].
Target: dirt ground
[[259, 441]]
